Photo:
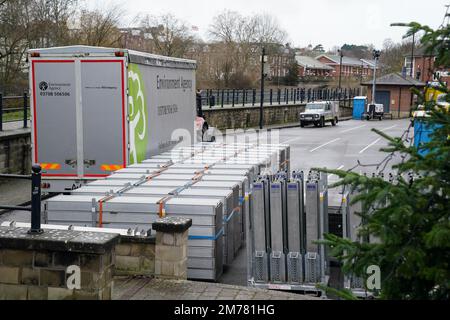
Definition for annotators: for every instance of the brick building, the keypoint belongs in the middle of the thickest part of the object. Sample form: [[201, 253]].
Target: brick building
[[393, 91], [424, 69], [351, 67], [311, 67]]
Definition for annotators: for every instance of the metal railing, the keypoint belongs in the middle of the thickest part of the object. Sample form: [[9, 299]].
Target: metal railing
[[23, 110], [280, 96], [35, 207]]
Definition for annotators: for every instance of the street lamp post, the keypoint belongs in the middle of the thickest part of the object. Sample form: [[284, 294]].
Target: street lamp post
[[412, 55], [340, 67], [376, 55], [261, 103]]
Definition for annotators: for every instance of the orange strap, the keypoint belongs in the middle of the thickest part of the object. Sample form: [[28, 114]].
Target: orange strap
[[100, 209], [162, 202]]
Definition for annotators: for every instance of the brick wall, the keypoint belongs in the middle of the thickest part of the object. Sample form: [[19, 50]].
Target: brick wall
[[400, 99], [15, 153]]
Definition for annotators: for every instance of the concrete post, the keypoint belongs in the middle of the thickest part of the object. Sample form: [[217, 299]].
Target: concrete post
[[171, 247]]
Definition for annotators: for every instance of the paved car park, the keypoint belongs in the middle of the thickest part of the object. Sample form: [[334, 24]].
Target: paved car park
[[341, 146]]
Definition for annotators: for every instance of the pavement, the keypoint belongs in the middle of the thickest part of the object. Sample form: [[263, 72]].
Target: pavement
[[129, 288]]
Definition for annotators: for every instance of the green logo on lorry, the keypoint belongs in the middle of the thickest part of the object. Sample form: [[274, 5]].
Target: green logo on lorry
[[137, 111]]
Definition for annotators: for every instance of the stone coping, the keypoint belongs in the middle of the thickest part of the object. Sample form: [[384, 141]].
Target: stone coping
[[7, 134], [172, 224], [57, 240], [138, 239]]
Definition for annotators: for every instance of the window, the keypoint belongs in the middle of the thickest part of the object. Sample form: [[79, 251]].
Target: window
[[408, 66]]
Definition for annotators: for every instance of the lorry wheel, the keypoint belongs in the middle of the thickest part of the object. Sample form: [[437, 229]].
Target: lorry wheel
[[333, 122], [302, 124]]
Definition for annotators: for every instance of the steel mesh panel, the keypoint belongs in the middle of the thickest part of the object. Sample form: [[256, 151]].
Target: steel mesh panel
[[260, 267], [312, 267], [294, 267], [275, 266], [356, 283]]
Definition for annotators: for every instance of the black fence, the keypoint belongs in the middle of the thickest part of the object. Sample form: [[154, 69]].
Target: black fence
[[281, 96], [14, 108], [35, 207]]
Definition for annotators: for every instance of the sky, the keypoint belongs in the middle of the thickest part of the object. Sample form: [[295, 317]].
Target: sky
[[327, 22]]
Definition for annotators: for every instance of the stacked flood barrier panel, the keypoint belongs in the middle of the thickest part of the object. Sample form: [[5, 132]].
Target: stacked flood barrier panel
[[286, 255], [208, 183]]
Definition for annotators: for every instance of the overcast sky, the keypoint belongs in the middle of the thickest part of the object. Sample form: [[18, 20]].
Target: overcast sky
[[329, 22]]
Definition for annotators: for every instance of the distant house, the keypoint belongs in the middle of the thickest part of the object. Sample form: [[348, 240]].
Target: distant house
[[351, 67], [424, 68], [393, 91], [311, 67]]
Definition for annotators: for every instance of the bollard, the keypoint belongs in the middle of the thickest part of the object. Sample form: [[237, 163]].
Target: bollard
[[25, 111], [35, 200]]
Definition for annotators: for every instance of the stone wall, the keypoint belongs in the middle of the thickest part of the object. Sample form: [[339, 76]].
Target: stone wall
[[248, 117], [162, 256], [38, 267], [135, 256], [15, 152]]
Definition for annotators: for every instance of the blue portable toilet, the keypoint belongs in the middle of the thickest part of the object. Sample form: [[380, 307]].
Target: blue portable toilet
[[422, 134], [359, 106]]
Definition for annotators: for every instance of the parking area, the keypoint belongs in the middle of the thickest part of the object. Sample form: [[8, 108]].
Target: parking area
[[341, 146]]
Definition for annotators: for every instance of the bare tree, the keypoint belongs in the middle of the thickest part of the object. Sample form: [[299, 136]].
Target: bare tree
[[26, 24], [240, 39], [170, 36], [393, 55], [99, 27], [267, 29]]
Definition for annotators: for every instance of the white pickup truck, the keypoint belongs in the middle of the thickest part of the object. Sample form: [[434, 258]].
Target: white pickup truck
[[318, 113]]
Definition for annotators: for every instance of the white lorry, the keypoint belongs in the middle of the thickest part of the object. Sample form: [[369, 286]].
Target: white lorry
[[96, 110], [318, 113]]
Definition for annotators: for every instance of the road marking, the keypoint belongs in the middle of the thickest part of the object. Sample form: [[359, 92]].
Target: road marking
[[367, 147], [323, 145], [388, 128], [353, 128]]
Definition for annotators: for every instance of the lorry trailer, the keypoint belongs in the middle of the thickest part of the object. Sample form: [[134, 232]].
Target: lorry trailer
[[95, 110]]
